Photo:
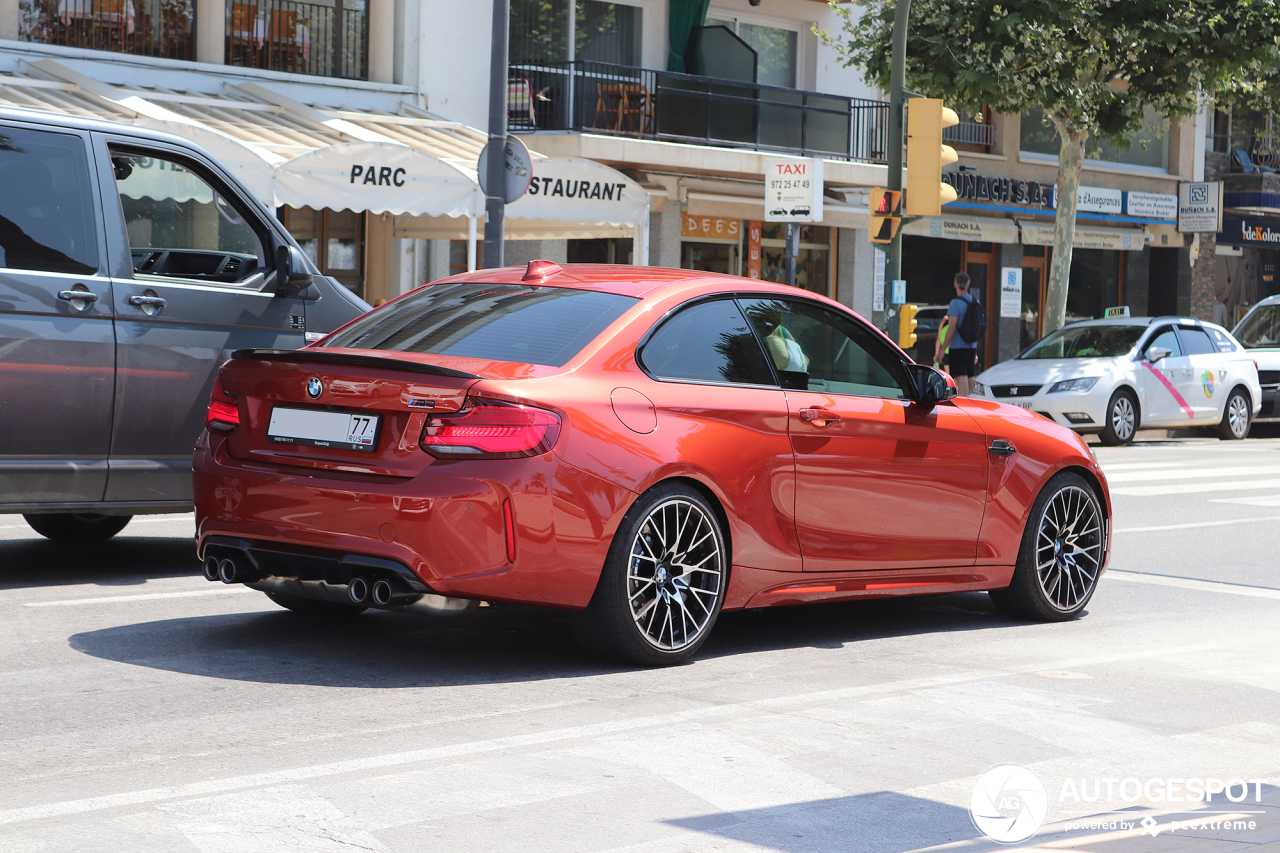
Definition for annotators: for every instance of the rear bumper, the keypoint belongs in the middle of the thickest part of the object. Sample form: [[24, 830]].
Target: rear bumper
[[442, 532]]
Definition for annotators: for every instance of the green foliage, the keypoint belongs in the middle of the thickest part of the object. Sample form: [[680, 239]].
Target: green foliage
[[1092, 66]]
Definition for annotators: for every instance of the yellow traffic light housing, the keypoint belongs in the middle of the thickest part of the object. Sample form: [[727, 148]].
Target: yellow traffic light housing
[[886, 213], [907, 325], [926, 155]]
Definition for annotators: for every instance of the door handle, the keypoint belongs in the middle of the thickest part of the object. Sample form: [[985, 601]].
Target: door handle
[[1000, 447], [153, 301], [818, 417], [84, 296]]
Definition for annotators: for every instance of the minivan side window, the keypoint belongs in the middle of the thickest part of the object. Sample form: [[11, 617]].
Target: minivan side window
[[181, 225], [46, 203]]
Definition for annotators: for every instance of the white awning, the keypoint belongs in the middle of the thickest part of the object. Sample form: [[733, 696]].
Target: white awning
[[983, 229], [573, 190], [380, 177], [1126, 239]]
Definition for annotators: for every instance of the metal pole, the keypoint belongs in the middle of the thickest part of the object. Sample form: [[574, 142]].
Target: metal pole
[[897, 73], [495, 205], [789, 258]]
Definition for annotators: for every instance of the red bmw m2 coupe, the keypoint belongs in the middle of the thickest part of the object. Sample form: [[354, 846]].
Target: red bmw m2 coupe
[[641, 447]]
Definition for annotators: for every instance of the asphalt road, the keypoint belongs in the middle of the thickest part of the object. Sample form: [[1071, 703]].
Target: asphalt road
[[144, 709]]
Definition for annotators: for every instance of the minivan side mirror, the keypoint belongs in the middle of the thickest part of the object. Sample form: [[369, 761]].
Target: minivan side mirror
[[292, 276], [1154, 354], [931, 385]]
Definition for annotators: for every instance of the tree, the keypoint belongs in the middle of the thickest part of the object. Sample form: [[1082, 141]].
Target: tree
[[1092, 66]]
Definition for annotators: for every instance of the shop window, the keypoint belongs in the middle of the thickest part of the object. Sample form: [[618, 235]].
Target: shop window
[[1148, 147], [333, 240], [1095, 282], [603, 250], [813, 256]]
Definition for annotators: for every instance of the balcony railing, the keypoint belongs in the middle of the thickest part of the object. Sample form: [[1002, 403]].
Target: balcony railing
[[614, 99], [307, 38], [143, 27], [971, 135]]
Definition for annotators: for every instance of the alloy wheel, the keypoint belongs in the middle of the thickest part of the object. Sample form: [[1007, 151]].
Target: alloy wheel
[[674, 574], [1122, 418], [1069, 547], [1238, 416]]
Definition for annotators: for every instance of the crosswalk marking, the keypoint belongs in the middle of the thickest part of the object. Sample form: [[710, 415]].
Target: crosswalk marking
[[1192, 524], [1191, 473], [1194, 488], [1188, 583], [1256, 500]]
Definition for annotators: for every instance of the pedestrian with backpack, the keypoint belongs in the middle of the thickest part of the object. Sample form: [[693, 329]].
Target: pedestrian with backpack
[[966, 324]]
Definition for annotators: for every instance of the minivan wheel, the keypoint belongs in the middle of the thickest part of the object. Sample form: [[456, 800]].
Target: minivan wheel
[[1236, 417], [663, 581], [1121, 419], [1060, 559], [77, 526]]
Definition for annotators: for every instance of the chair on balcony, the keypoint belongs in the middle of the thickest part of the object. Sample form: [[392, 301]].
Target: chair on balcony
[[116, 21], [520, 110], [624, 107], [282, 41], [243, 38]]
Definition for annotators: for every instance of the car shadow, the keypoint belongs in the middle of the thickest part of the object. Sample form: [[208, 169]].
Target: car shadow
[[501, 644], [120, 561]]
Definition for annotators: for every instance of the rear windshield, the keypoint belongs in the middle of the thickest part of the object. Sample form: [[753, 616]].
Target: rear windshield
[[1086, 342], [1261, 328], [499, 322]]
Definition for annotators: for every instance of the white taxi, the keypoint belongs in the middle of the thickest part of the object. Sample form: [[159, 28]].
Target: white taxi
[[1119, 375]]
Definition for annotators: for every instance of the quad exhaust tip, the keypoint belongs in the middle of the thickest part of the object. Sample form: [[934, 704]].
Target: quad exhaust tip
[[228, 571], [211, 569], [382, 593], [358, 590]]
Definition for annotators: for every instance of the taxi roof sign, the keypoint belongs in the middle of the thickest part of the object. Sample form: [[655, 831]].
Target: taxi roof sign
[[1117, 311]]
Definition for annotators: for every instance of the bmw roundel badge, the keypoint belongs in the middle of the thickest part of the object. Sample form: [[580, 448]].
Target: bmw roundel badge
[[314, 387]]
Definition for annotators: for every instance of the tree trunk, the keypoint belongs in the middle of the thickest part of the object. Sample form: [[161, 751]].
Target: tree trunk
[[1070, 158]]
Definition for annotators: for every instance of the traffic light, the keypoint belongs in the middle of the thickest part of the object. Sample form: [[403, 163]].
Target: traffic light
[[926, 155], [886, 213], [907, 325]]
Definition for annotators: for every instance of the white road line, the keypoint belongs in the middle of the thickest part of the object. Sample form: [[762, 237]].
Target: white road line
[[1192, 524], [1257, 500], [399, 759], [1191, 473], [1195, 488], [1136, 466], [1202, 586], [151, 596]]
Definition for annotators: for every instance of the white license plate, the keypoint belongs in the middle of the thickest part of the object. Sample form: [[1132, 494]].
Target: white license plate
[[319, 428], [1021, 404]]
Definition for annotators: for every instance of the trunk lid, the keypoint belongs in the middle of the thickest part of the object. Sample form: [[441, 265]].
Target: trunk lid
[[349, 414]]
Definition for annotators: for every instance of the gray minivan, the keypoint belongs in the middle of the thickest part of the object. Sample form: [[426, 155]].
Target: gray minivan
[[132, 264]]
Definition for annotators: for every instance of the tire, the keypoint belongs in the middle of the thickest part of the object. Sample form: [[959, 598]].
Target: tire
[[1049, 583], [1237, 416], [312, 607], [77, 527], [633, 615], [1121, 419]]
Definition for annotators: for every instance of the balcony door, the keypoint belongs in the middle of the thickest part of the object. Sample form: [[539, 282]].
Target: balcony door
[[777, 46]]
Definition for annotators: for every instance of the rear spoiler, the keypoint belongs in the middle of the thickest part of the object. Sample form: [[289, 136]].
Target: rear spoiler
[[348, 359]]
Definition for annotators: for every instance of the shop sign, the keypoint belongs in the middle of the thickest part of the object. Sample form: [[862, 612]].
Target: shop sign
[[1011, 291], [792, 189], [1151, 205], [1087, 238], [1200, 207], [1097, 200], [1250, 230], [710, 227], [991, 230], [971, 185], [754, 228]]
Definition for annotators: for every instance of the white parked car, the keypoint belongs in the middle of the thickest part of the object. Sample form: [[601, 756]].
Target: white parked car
[[1119, 375], [1259, 332]]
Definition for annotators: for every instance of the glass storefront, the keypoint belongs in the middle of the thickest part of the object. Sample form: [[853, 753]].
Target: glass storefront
[[813, 256], [333, 240]]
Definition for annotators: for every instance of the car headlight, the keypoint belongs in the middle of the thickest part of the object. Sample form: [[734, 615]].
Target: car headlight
[[979, 389], [1083, 384]]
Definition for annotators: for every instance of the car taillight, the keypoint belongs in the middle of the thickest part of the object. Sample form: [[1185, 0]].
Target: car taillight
[[223, 414], [490, 429]]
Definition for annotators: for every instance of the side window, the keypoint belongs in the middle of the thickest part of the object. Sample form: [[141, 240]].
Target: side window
[[1194, 341], [816, 349], [1165, 339], [708, 342], [1222, 340], [181, 225], [46, 203]]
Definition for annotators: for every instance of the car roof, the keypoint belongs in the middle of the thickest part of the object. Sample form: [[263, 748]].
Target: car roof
[[74, 122], [634, 281], [1141, 321]]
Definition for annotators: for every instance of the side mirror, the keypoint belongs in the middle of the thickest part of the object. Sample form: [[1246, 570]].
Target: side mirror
[[931, 385], [1154, 354], [292, 276]]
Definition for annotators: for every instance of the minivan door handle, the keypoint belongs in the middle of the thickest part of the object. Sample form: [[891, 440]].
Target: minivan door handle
[[156, 301], [84, 296]]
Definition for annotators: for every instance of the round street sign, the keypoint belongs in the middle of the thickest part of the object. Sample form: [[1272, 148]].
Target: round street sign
[[519, 168]]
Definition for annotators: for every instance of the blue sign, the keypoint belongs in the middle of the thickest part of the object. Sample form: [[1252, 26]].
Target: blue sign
[[899, 293]]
